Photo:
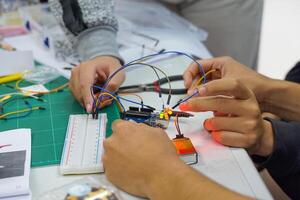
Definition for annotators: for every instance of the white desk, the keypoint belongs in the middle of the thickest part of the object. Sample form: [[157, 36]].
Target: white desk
[[230, 167]]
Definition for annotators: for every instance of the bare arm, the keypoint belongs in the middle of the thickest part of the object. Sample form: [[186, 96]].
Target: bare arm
[[90, 25], [143, 161], [92, 28], [281, 98], [183, 182]]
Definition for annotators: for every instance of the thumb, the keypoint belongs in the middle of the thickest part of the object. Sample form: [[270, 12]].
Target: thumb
[[116, 81], [88, 99], [87, 78]]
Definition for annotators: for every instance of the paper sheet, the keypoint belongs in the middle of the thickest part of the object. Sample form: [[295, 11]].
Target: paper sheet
[[15, 155], [12, 62], [29, 42]]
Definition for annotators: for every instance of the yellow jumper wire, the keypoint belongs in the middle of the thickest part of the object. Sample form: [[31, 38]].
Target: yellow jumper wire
[[17, 86], [206, 74], [19, 111]]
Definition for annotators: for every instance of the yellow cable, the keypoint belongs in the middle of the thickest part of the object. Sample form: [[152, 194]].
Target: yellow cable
[[131, 94], [10, 78], [36, 92], [5, 98], [207, 73], [19, 111]]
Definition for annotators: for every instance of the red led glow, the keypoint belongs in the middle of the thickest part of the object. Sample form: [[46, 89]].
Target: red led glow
[[184, 146]]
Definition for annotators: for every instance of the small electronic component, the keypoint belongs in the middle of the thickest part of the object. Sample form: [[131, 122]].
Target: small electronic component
[[87, 188], [151, 117], [145, 115], [185, 149], [86, 192], [166, 113], [184, 146]]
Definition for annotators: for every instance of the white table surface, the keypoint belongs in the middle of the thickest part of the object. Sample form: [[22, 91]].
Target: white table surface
[[238, 172]]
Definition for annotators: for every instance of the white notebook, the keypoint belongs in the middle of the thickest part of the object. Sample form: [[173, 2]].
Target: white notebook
[[15, 156]]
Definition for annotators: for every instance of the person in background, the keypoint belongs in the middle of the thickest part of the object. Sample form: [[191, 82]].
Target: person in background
[[231, 24], [155, 171], [91, 26]]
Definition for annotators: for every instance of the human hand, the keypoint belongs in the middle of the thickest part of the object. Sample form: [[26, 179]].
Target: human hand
[[237, 121], [137, 154], [226, 67], [92, 72]]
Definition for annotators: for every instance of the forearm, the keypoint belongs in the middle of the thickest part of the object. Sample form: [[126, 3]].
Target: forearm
[[98, 41], [90, 26], [183, 182], [281, 98]]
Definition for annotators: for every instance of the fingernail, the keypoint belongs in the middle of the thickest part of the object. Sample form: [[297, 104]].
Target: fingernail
[[88, 108], [208, 124], [202, 91], [185, 83], [192, 91], [216, 136], [184, 106]]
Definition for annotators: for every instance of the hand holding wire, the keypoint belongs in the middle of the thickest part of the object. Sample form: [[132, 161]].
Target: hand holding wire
[[140, 62], [94, 71]]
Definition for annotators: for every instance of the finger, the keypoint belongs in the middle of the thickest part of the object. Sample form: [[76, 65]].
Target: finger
[[74, 86], [219, 104], [115, 83], [234, 124], [104, 160], [119, 125], [106, 144], [78, 98], [116, 125], [86, 80], [231, 139], [190, 73], [101, 75], [194, 69], [226, 86], [106, 103], [117, 80], [219, 114]]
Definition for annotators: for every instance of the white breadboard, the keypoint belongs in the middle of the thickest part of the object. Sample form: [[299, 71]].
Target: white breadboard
[[83, 148]]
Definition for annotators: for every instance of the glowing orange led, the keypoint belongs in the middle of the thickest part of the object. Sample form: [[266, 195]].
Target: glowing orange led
[[184, 146]]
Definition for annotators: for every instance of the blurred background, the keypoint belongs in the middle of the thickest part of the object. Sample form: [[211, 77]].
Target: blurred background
[[280, 37]]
